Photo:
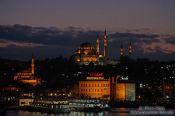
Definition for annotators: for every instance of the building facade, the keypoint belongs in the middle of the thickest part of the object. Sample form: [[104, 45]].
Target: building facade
[[125, 92], [95, 87], [88, 52], [28, 76]]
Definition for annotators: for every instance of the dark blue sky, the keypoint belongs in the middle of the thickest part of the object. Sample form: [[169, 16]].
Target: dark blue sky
[[123, 16], [157, 15]]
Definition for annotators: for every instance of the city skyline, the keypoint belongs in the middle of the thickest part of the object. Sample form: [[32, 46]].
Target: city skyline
[[149, 25]]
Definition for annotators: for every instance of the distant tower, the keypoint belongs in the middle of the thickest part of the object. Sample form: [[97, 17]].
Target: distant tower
[[130, 49], [105, 44], [33, 64], [97, 45], [121, 50]]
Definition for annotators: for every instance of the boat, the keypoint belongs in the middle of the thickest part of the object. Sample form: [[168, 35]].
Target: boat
[[83, 105], [57, 105]]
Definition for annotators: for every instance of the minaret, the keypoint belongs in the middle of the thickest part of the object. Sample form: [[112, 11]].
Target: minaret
[[97, 45], [33, 64], [121, 50], [130, 49], [105, 44]]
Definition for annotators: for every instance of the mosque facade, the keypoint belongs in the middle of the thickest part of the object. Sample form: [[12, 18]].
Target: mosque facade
[[88, 52], [28, 76]]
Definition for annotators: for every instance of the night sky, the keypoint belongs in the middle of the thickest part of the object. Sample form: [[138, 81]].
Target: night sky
[[51, 28]]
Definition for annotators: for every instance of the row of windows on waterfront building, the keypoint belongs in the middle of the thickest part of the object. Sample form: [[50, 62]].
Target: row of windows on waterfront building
[[93, 90], [94, 85], [93, 94]]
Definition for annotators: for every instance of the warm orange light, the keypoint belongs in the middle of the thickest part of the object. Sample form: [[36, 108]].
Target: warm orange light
[[78, 60], [94, 88], [120, 92]]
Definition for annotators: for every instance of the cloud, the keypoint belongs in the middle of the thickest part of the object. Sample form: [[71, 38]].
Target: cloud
[[164, 44], [64, 41], [139, 30], [6, 43]]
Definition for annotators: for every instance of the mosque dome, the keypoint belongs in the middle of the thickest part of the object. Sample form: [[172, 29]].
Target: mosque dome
[[83, 45]]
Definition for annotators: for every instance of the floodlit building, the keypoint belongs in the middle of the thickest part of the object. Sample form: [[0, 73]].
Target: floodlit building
[[28, 76], [125, 92], [88, 52], [122, 91], [95, 86]]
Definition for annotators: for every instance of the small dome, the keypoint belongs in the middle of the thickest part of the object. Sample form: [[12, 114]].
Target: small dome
[[86, 45]]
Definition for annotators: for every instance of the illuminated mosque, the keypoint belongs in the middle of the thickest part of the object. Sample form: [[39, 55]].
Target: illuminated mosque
[[87, 53], [28, 76]]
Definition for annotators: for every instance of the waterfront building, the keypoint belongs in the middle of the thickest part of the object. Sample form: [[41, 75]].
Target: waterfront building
[[122, 89], [28, 76], [125, 92], [95, 86]]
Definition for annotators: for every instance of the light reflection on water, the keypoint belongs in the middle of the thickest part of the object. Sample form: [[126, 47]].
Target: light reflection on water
[[114, 112]]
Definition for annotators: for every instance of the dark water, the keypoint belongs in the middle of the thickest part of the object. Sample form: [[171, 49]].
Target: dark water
[[114, 112]]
